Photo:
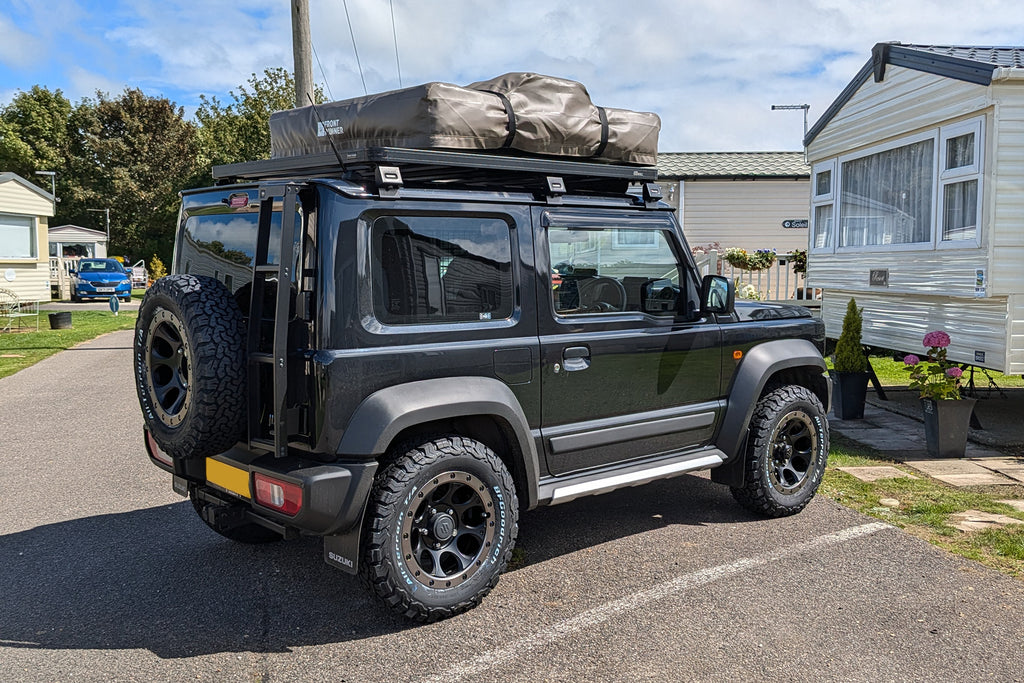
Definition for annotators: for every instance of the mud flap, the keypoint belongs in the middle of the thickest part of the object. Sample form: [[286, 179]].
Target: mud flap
[[342, 550]]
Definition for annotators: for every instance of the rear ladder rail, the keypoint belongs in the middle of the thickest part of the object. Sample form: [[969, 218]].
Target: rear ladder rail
[[278, 357]]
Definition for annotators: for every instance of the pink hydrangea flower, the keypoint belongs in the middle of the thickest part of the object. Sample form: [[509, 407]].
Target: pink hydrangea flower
[[956, 373], [938, 339], [911, 360]]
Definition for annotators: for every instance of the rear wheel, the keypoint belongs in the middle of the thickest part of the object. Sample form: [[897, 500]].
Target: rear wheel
[[787, 451], [442, 522]]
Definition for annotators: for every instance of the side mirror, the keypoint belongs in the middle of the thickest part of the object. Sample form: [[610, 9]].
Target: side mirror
[[658, 297], [717, 295]]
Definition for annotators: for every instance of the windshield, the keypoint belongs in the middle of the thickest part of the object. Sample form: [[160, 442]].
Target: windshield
[[99, 266]]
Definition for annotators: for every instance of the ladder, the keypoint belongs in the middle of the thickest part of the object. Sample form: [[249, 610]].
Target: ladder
[[277, 357]]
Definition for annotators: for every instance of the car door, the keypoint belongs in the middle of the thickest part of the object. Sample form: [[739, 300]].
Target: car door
[[629, 368]]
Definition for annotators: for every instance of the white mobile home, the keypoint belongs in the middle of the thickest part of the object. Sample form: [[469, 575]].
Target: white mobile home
[[24, 212], [917, 201], [749, 200]]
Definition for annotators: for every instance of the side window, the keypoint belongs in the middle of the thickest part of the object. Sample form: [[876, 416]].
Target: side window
[[429, 269], [614, 270]]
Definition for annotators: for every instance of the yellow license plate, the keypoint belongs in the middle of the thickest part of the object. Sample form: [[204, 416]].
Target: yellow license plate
[[227, 477]]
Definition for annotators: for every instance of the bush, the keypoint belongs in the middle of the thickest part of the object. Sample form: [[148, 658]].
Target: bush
[[849, 352], [156, 268]]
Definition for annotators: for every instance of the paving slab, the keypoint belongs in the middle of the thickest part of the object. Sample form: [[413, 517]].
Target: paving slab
[[1014, 503], [976, 520], [876, 472], [960, 472], [1009, 467]]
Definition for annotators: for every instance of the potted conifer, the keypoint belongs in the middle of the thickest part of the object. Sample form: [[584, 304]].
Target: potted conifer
[[850, 376]]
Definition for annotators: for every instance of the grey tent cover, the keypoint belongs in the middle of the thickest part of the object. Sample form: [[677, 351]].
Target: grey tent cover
[[525, 112]]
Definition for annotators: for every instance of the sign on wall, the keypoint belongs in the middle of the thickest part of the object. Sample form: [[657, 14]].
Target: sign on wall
[[795, 223]]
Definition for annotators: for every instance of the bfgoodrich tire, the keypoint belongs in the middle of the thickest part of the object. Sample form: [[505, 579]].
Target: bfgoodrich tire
[[190, 372], [442, 522], [787, 451]]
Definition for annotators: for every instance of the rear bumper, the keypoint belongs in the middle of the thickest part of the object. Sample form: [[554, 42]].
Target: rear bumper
[[333, 495]]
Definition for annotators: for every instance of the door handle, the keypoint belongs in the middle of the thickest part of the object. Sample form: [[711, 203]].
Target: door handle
[[576, 358]]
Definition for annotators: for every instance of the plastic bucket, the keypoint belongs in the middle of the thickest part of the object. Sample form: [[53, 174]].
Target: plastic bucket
[[60, 321]]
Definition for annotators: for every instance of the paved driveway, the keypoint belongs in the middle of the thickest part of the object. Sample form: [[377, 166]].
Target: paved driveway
[[105, 574]]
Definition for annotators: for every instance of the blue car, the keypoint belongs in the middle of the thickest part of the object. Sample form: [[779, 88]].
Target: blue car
[[100, 277]]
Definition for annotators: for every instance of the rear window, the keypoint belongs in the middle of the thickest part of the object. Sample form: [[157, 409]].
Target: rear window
[[429, 269], [221, 243]]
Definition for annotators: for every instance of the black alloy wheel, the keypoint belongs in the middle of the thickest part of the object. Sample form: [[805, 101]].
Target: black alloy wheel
[[441, 523], [448, 530], [168, 367], [786, 453], [793, 452]]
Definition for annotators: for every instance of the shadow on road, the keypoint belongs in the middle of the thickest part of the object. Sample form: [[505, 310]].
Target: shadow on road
[[158, 579]]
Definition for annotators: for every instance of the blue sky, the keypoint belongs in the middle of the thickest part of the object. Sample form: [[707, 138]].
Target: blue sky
[[710, 68]]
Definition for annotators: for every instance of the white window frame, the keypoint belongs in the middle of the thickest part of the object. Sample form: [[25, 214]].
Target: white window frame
[[33, 240], [974, 171], [941, 177], [818, 200], [878, 149], [617, 233]]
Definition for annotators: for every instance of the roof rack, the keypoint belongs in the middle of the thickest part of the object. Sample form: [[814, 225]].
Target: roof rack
[[434, 168]]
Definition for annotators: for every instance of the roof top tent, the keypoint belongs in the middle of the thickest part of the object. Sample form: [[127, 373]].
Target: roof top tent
[[917, 190]]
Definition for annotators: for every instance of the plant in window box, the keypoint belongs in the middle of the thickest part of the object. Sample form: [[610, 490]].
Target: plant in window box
[[946, 414], [759, 260], [850, 373], [798, 261]]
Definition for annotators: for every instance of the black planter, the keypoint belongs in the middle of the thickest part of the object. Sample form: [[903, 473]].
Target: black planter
[[60, 321], [945, 426], [848, 392]]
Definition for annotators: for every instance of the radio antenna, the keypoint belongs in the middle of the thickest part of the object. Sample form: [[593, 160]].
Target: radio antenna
[[327, 131]]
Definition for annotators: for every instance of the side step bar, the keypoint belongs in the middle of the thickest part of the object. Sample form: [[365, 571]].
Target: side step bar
[[556, 490]]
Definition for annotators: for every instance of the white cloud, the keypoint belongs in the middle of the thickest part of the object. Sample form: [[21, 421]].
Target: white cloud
[[17, 48], [710, 68]]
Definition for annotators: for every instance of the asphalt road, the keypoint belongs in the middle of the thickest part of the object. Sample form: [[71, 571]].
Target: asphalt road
[[106, 574]]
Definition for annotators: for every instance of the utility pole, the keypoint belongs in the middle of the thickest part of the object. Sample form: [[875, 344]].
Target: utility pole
[[302, 53]]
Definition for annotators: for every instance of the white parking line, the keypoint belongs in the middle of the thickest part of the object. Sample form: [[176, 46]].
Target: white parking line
[[514, 651]]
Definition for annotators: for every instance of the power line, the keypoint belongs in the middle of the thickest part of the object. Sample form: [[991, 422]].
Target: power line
[[354, 48], [394, 32], [326, 84]]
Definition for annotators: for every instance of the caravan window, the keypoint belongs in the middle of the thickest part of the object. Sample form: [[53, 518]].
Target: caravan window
[[887, 197], [17, 237], [923, 191]]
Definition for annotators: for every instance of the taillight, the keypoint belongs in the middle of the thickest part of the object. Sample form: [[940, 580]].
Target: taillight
[[155, 452], [282, 496]]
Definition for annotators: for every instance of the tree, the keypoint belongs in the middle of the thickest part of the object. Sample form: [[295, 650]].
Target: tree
[[35, 136], [133, 154], [240, 131]]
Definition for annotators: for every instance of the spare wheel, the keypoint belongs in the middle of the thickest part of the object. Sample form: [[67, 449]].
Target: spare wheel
[[190, 366]]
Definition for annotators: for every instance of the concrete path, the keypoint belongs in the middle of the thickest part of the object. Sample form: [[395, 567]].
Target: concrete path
[[901, 438]]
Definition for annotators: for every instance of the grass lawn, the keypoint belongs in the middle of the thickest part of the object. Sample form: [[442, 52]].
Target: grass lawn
[[925, 506], [21, 349], [893, 373]]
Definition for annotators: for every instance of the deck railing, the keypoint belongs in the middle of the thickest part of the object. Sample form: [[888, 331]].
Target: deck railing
[[778, 283]]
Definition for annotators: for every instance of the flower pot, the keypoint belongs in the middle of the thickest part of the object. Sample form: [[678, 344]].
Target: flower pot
[[849, 390], [945, 426], [60, 321]]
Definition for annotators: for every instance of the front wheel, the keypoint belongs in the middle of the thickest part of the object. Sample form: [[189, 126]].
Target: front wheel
[[787, 451], [442, 522]]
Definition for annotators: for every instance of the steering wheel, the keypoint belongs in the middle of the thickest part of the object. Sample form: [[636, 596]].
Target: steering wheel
[[602, 294]]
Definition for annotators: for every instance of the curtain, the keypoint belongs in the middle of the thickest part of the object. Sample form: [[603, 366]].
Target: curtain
[[887, 197]]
